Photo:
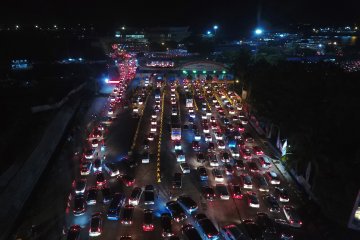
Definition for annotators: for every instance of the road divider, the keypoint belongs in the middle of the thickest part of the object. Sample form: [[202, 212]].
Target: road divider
[[158, 162]]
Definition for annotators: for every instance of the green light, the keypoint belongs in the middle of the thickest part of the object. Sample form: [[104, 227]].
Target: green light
[[223, 72], [184, 72], [194, 71], [214, 71], [204, 72]]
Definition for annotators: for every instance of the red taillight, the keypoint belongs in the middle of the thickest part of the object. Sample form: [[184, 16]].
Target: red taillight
[[291, 221], [300, 222]]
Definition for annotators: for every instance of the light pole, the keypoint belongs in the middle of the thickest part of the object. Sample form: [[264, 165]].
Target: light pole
[[258, 32]]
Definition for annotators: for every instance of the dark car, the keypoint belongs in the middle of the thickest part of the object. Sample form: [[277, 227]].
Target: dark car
[[149, 195], [282, 194], [202, 172], [266, 224], [208, 193], [79, 205], [177, 180], [272, 203], [100, 179], [253, 230], [190, 232], [253, 167], [92, 196], [96, 225], [237, 193], [106, 193], [148, 224], [176, 211], [208, 228], [201, 158], [239, 164], [74, 233], [187, 203], [196, 145], [211, 147], [166, 225], [128, 180], [127, 215]]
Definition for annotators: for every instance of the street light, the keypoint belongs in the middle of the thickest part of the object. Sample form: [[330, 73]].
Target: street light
[[258, 31], [208, 32], [215, 28]]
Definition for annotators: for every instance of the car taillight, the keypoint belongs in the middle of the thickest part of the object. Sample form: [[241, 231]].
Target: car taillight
[[300, 222]]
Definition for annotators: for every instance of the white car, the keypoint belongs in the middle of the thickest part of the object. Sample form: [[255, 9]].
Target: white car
[[217, 175], [273, 178], [185, 168], [145, 158], [218, 136], [197, 137], [191, 110], [110, 111], [206, 129], [232, 111], [214, 162], [154, 115], [153, 128], [204, 116], [180, 156], [208, 113], [136, 110], [177, 146], [208, 137], [192, 115], [174, 112], [234, 152]]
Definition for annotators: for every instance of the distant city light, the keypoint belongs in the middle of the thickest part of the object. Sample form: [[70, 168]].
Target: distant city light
[[204, 72], [36, 26], [320, 45], [216, 27], [55, 26], [224, 72], [258, 31], [163, 43], [17, 26], [208, 32], [123, 28], [281, 35], [184, 72], [194, 71]]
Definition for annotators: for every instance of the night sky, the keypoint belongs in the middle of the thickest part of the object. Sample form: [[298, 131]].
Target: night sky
[[196, 13]]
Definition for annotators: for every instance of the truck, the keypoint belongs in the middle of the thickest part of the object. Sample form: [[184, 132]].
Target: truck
[[175, 128]]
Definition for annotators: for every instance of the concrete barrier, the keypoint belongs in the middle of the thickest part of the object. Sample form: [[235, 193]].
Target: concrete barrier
[[18, 190]]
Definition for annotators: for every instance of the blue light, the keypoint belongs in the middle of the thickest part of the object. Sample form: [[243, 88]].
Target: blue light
[[208, 32], [281, 35], [80, 59], [216, 27], [106, 80], [258, 31]]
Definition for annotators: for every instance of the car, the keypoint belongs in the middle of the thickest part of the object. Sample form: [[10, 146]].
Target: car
[[185, 168], [237, 193], [196, 146], [206, 129], [248, 137], [211, 147], [212, 119], [208, 228], [149, 195], [202, 173], [100, 179], [201, 157], [241, 144], [192, 115], [191, 110], [91, 196], [85, 168], [240, 127], [177, 145], [208, 137], [110, 111], [229, 169], [106, 193], [218, 135], [111, 169], [190, 232], [284, 231], [263, 185], [153, 122], [220, 144], [79, 205], [253, 167], [95, 225], [245, 153], [127, 214], [217, 175], [244, 120], [232, 232], [74, 233], [266, 224], [225, 158], [153, 128], [177, 213], [246, 181], [197, 136], [273, 177], [222, 191], [258, 151], [272, 203], [213, 161], [135, 196], [115, 206], [234, 152], [80, 186], [128, 180], [180, 156], [187, 203], [208, 112], [252, 200], [145, 157], [151, 136], [95, 143], [177, 180], [166, 225], [148, 224], [264, 162], [282, 194], [292, 217], [97, 165], [239, 164], [208, 193], [204, 116], [252, 229], [89, 153], [174, 112]]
